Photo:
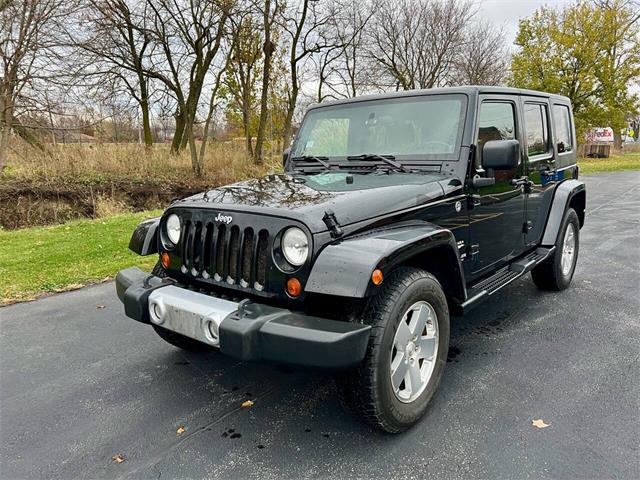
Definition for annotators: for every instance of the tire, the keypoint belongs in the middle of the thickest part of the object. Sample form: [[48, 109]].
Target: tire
[[173, 338], [368, 391], [552, 274]]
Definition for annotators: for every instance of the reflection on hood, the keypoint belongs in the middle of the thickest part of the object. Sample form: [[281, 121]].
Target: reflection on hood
[[307, 197]]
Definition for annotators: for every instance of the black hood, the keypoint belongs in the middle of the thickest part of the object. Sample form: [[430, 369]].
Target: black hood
[[307, 197]]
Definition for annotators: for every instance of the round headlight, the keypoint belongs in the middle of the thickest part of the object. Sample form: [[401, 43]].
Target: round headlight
[[295, 246], [173, 228]]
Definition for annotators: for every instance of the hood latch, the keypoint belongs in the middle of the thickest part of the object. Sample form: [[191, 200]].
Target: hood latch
[[332, 224]]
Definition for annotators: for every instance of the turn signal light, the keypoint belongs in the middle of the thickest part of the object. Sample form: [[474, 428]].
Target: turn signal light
[[164, 260], [294, 287], [377, 277]]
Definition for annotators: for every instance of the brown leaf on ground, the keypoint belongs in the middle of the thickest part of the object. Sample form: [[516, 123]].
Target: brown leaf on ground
[[100, 307], [119, 458], [539, 423], [247, 404], [180, 430]]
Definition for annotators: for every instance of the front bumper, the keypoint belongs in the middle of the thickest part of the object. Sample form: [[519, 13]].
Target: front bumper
[[244, 330]]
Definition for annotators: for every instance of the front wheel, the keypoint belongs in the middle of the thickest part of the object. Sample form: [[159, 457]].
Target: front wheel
[[556, 272], [406, 355]]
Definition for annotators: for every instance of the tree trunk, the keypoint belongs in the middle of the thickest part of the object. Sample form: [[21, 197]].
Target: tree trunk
[[291, 107], [617, 139], [268, 49], [146, 122], [177, 136], [5, 137], [196, 165]]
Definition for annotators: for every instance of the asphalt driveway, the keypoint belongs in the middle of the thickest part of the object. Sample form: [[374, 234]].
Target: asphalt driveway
[[80, 383]]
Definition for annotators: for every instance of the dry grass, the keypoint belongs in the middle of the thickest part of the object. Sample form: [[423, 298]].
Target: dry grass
[[225, 162], [66, 182]]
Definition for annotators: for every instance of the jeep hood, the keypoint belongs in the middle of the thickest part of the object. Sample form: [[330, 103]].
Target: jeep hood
[[307, 197]]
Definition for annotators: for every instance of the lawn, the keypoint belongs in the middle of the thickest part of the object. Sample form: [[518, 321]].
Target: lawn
[[39, 260], [616, 163]]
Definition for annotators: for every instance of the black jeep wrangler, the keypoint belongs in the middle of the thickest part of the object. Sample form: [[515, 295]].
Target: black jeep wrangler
[[393, 213]]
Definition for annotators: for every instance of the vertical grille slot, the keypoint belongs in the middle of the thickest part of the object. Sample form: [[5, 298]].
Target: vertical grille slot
[[234, 252], [196, 249], [246, 258], [262, 250], [208, 249], [185, 244], [220, 248]]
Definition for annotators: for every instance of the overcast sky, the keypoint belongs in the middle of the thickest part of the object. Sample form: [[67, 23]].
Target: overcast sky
[[506, 13]]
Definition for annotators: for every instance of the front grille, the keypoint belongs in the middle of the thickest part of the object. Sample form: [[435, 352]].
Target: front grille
[[230, 254]]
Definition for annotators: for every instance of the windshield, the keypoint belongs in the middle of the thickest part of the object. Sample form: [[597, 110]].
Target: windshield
[[409, 128]]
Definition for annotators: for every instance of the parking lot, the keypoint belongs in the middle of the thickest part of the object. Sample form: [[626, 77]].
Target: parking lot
[[81, 383]]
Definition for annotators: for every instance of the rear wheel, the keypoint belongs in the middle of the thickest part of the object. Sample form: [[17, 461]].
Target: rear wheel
[[557, 271], [406, 355], [175, 339]]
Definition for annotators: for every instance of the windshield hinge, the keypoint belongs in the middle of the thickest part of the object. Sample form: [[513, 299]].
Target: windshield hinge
[[332, 224]]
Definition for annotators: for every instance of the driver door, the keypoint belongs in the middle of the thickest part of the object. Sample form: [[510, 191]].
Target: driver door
[[497, 211]]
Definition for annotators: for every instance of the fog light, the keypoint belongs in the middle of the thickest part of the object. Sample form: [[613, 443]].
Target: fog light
[[164, 260], [377, 277], [294, 287]]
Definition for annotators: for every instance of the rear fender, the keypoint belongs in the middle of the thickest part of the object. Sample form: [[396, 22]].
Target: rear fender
[[345, 268], [570, 193], [144, 240]]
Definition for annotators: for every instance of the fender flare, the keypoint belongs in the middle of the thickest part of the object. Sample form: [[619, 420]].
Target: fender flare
[[564, 194], [345, 268], [144, 240]]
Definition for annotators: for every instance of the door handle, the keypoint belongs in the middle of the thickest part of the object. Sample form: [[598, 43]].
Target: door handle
[[522, 182]]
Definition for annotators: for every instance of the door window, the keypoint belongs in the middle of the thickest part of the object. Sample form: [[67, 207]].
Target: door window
[[536, 129], [495, 122], [562, 125]]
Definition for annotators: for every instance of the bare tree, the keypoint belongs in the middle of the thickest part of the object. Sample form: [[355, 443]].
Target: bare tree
[[341, 64], [270, 11], [485, 60], [307, 24], [244, 70], [28, 39], [117, 45], [186, 38], [415, 43]]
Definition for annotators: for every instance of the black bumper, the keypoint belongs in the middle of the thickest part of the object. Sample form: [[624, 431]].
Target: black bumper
[[261, 332]]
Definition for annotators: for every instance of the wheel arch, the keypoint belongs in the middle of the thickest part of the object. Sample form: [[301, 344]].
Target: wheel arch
[[345, 268], [568, 194], [144, 240]]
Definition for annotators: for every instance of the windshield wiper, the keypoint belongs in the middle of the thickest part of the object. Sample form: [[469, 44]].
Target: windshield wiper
[[321, 160], [388, 159]]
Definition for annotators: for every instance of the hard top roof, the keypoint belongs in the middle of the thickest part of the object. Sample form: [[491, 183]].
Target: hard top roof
[[467, 90]]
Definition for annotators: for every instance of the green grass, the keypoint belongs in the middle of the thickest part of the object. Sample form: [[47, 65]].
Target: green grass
[[616, 163], [34, 261]]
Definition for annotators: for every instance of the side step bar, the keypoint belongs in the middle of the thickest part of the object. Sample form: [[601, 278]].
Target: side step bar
[[503, 277]]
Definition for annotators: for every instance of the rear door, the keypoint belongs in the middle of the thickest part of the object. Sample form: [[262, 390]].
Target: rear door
[[540, 164]]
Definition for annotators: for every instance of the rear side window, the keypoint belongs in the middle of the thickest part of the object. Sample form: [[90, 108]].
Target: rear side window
[[536, 129], [496, 121], [562, 124]]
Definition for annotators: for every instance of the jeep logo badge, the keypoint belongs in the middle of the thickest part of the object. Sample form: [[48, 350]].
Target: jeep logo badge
[[227, 219]]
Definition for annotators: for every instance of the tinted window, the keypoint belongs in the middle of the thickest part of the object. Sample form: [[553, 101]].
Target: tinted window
[[562, 121], [495, 122], [536, 129]]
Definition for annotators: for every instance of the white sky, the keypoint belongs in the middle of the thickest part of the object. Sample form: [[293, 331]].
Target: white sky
[[506, 13]]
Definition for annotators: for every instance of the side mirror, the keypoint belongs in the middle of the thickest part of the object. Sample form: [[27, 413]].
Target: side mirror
[[501, 154], [285, 156]]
